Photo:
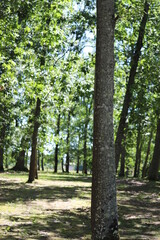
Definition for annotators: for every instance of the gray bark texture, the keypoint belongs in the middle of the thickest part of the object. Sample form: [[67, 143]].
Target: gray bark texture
[[104, 207]]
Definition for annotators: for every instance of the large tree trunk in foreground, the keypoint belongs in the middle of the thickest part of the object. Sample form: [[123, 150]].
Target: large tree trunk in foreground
[[33, 161], [155, 164], [57, 145], [104, 207], [144, 170], [128, 95]]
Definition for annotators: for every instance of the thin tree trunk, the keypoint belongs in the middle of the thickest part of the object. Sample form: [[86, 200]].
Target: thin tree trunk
[[128, 95], [85, 148], [33, 161], [123, 154], [42, 163], [137, 152], [155, 164], [62, 166], [57, 144], [139, 162], [39, 161], [144, 170], [77, 168], [78, 156], [2, 136], [122, 168], [104, 207], [68, 142]]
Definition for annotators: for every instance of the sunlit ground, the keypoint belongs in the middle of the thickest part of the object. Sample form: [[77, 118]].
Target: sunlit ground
[[58, 207]]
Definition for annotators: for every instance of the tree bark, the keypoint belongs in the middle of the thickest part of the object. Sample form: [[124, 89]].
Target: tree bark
[[78, 154], [57, 145], [85, 147], [68, 142], [104, 207], [33, 161], [20, 163], [128, 95], [2, 136], [144, 170], [38, 163], [137, 152], [42, 163], [122, 168], [155, 164], [123, 154], [62, 166], [88, 110]]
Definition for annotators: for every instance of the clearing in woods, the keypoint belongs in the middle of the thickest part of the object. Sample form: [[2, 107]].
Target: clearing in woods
[[57, 207]]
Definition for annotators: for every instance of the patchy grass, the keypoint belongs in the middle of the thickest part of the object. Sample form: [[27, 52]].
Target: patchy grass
[[57, 206]]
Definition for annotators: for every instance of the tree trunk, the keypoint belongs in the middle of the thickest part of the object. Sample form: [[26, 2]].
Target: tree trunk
[[1, 159], [57, 145], [38, 163], [128, 95], [33, 161], [139, 162], [122, 168], [68, 142], [144, 170], [104, 207], [123, 154], [2, 136], [62, 166], [78, 154], [137, 152], [155, 164], [85, 148], [42, 163], [20, 163]]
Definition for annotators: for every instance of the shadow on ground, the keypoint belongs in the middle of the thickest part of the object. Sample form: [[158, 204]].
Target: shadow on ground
[[139, 209], [138, 203]]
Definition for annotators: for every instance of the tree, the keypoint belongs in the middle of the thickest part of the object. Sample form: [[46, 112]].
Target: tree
[[154, 167], [33, 161], [128, 95], [104, 208]]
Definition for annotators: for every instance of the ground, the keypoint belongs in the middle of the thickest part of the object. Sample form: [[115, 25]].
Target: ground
[[57, 207]]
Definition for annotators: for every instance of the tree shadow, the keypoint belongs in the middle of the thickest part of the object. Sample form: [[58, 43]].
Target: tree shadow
[[13, 192], [139, 209]]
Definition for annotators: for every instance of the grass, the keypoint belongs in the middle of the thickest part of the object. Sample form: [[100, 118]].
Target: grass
[[57, 206]]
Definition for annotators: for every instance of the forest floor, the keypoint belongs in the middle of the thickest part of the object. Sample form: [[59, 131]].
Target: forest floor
[[57, 207]]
